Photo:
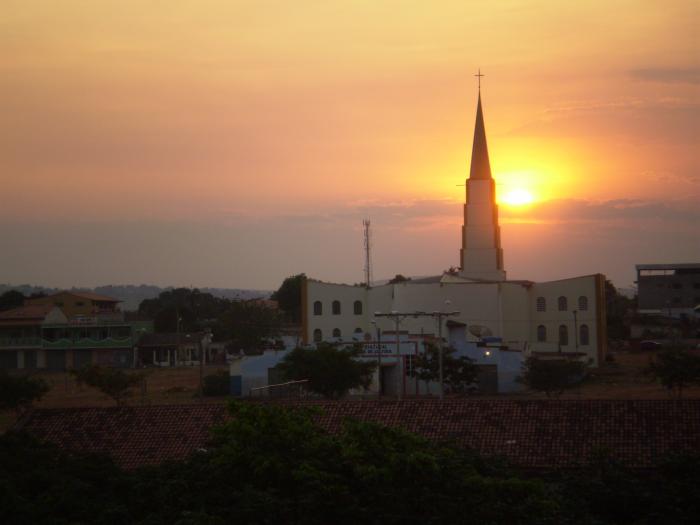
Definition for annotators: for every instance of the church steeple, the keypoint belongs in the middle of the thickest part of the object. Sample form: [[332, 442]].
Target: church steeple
[[481, 167], [481, 256]]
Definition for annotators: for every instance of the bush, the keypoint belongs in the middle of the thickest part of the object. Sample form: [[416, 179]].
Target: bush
[[218, 384], [19, 392]]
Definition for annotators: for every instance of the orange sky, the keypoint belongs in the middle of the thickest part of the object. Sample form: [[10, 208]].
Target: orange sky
[[253, 116]]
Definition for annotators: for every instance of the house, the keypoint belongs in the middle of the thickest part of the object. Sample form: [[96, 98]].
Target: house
[[68, 330]]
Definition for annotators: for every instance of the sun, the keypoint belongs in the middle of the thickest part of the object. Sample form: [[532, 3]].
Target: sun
[[517, 197]]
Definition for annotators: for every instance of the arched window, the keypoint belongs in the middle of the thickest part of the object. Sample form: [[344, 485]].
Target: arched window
[[357, 307], [541, 304], [336, 332], [583, 303], [541, 333], [318, 336], [318, 308], [563, 304], [583, 335], [336, 308], [358, 330], [563, 335]]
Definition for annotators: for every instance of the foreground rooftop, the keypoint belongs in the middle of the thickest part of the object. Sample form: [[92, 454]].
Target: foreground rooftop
[[532, 434]]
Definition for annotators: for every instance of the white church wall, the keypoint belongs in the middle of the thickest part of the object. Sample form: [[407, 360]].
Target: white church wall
[[515, 313], [553, 317], [347, 322]]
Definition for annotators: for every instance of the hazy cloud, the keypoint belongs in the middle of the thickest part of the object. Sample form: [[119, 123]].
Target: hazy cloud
[[690, 75]]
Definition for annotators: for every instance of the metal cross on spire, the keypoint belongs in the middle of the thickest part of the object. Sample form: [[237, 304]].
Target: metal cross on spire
[[478, 76]]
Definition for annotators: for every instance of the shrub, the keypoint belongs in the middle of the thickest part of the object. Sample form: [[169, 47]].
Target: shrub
[[217, 384]]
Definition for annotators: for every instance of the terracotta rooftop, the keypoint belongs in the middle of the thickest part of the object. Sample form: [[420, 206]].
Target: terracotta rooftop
[[23, 313], [90, 296], [534, 434]]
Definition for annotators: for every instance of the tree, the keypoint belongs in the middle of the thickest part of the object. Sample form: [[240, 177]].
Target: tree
[[113, 382], [398, 278], [551, 376], [18, 392], [11, 299], [248, 325], [676, 369], [616, 308], [288, 295], [183, 309], [331, 372], [459, 373]]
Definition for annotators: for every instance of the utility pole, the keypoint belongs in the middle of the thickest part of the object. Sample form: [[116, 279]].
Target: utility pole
[[397, 316], [379, 359], [368, 247]]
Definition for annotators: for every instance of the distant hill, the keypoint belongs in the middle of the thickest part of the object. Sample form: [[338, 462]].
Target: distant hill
[[131, 295]]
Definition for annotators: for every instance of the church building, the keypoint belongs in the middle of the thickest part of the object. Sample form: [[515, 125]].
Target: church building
[[556, 318]]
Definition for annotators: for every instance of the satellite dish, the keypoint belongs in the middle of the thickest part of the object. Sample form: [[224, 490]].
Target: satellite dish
[[480, 331]]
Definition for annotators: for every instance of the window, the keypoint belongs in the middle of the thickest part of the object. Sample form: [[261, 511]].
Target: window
[[563, 304], [318, 336], [677, 286], [583, 335], [541, 304], [318, 308], [563, 335], [583, 303], [79, 303], [336, 307], [357, 307], [336, 332], [358, 330], [541, 333]]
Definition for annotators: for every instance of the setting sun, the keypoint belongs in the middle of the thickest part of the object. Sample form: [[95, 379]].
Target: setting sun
[[517, 197]]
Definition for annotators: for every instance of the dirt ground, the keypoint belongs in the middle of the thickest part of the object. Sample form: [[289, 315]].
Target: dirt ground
[[622, 379]]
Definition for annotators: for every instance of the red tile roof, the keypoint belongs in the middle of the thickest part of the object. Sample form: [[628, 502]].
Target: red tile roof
[[28, 312], [90, 296], [534, 434]]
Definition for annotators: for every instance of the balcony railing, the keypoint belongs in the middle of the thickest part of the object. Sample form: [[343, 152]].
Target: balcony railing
[[20, 342], [110, 342]]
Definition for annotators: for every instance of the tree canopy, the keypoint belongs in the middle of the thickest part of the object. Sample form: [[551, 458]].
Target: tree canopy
[[288, 295], [330, 371], [11, 299], [270, 464], [676, 369], [112, 382], [459, 373], [552, 376], [17, 392]]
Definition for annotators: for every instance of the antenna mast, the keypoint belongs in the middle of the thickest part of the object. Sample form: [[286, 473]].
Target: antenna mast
[[368, 247]]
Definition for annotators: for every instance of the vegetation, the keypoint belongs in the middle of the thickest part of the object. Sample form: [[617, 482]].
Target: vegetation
[[551, 376], [676, 369], [248, 325], [398, 278], [19, 392], [218, 384], [182, 309], [11, 299], [289, 297], [616, 308], [113, 382], [268, 464], [459, 373], [331, 372]]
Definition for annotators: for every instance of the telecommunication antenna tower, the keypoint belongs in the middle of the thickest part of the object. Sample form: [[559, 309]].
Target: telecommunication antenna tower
[[368, 247]]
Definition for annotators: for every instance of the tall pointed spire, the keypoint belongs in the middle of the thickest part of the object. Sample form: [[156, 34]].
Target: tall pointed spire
[[480, 167]]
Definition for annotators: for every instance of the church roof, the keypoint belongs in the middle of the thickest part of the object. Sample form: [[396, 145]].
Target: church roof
[[480, 166]]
